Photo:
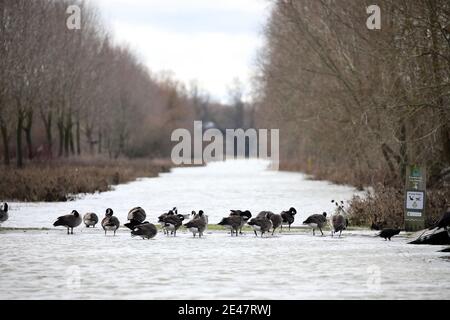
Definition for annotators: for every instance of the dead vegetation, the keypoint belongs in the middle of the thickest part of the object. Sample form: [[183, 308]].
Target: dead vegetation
[[61, 180]]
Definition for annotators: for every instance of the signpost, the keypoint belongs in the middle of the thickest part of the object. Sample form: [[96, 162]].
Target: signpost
[[415, 198]]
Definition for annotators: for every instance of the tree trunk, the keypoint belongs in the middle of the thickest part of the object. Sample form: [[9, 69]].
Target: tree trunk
[[61, 137], [5, 139], [78, 138], [27, 128], [445, 129], [403, 150], [19, 129], [48, 134], [67, 135], [71, 142], [99, 142]]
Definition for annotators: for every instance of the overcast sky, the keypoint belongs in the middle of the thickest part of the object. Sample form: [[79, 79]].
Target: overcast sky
[[212, 41]]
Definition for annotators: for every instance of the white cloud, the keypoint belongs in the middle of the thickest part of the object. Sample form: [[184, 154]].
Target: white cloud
[[187, 38]]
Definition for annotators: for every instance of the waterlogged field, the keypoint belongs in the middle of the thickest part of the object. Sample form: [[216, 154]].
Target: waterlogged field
[[48, 264]]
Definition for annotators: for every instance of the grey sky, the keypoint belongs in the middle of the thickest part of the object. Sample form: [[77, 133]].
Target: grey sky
[[208, 40]]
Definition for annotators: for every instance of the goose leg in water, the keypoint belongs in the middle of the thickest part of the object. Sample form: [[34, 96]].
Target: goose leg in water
[[314, 232], [321, 230], [71, 230], [256, 234], [340, 233]]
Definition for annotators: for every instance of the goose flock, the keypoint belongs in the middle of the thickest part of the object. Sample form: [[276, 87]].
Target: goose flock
[[263, 223]]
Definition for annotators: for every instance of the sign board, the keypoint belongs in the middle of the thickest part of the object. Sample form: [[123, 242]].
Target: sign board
[[415, 198]]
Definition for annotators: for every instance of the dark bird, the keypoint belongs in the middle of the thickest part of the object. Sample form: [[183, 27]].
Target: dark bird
[[316, 221], [233, 222], [110, 222], [172, 222], [4, 213], [245, 215], [161, 220], [71, 221], [276, 219], [339, 223], [444, 222], [288, 217], [136, 216], [197, 224], [145, 230], [200, 215], [261, 223], [90, 219], [338, 220], [388, 233]]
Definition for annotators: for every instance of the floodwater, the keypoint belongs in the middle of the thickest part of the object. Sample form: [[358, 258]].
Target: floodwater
[[48, 264]]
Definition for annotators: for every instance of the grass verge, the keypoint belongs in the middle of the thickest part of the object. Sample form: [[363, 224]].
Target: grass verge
[[61, 180]]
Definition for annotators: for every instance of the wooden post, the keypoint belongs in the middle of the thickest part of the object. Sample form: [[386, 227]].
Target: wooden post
[[415, 197]]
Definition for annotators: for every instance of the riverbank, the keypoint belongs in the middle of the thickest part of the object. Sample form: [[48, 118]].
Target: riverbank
[[382, 205], [62, 180]]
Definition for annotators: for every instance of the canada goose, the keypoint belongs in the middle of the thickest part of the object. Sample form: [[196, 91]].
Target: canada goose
[[110, 222], [388, 233], [288, 217], [261, 223], [172, 222], [246, 215], [161, 220], [71, 221], [204, 217], [444, 222], [145, 230], [338, 221], [276, 220], [232, 222], [4, 213], [201, 215], [136, 216], [262, 214], [90, 219], [316, 221], [198, 224]]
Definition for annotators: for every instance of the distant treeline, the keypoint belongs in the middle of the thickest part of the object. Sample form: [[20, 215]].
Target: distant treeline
[[355, 102], [70, 92]]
